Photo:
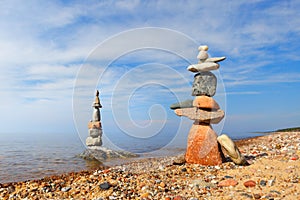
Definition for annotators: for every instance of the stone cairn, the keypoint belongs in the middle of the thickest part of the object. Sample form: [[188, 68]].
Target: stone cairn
[[204, 145], [94, 126], [95, 150]]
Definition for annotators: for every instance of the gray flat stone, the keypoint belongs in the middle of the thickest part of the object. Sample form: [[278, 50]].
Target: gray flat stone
[[203, 67], [208, 117], [183, 104], [205, 83]]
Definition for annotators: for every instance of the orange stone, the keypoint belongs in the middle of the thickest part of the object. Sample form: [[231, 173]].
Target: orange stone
[[206, 103], [227, 183], [202, 146], [94, 125]]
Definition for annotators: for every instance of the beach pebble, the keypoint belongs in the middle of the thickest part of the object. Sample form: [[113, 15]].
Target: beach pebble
[[247, 195], [105, 186], [250, 183], [256, 196], [271, 182], [145, 195], [178, 198], [227, 183], [65, 189], [295, 158], [263, 183]]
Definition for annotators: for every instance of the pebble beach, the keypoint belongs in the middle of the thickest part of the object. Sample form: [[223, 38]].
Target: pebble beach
[[273, 173]]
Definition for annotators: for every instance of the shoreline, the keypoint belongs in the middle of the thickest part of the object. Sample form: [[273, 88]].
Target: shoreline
[[273, 158]]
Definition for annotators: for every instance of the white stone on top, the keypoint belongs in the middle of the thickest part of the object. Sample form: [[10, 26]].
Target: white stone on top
[[203, 48]]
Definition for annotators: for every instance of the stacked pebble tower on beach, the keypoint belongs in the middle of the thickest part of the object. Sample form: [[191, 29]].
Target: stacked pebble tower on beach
[[202, 144], [95, 129]]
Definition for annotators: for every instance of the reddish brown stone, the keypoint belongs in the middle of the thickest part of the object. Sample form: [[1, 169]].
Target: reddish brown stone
[[206, 103], [202, 146], [94, 125], [250, 183], [227, 183]]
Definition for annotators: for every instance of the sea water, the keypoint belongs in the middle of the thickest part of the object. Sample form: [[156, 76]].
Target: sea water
[[34, 156]]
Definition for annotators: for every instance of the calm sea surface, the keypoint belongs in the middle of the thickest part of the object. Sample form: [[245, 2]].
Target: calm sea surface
[[24, 157]]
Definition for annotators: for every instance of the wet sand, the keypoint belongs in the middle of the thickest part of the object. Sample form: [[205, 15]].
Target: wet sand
[[273, 173]]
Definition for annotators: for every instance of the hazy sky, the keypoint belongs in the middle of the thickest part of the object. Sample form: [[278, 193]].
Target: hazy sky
[[47, 46]]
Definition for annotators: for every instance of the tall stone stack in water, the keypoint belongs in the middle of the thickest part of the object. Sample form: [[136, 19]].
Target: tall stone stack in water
[[202, 144], [95, 129]]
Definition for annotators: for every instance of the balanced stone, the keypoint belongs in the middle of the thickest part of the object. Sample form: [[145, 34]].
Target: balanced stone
[[203, 48], [205, 83], [200, 115], [231, 149], [202, 146], [94, 132], [93, 141], [203, 67], [183, 104], [203, 55], [96, 115], [94, 125], [205, 102], [97, 100], [216, 59]]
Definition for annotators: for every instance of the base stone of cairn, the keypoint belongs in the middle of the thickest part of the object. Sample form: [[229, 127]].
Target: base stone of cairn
[[202, 146]]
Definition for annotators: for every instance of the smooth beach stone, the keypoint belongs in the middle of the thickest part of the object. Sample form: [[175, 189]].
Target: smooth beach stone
[[227, 183], [96, 115], [202, 146], [231, 149], [203, 67], [250, 183], [183, 104], [94, 125], [203, 48], [202, 55], [206, 103], [93, 141], [215, 59], [205, 83], [94, 132], [200, 115]]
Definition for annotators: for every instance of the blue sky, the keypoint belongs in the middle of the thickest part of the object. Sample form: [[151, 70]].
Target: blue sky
[[46, 44]]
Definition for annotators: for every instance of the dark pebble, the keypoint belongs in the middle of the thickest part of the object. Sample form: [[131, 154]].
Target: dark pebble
[[263, 183], [247, 195], [228, 177], [105, 186], [184, 170], [269, 197], [275, 191], [256, 196]]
